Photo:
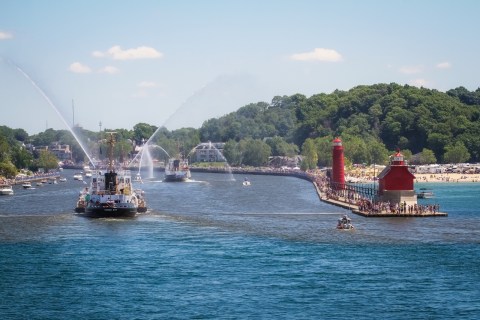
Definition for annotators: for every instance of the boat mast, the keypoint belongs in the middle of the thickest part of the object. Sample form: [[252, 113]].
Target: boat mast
[[111, 144]]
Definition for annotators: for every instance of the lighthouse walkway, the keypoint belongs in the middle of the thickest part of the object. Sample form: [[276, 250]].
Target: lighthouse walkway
[[365, 207]]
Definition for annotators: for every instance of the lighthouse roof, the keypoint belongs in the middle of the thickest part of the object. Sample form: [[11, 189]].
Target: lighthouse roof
[[337, 142]]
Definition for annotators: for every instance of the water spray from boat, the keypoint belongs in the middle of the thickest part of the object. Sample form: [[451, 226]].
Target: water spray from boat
[[51, 104]]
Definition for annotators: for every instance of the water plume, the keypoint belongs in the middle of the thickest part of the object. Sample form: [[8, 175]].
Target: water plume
[[49, 101]]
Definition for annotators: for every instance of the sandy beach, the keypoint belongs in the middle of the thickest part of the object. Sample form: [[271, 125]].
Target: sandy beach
[[365, 176], [447, 177]]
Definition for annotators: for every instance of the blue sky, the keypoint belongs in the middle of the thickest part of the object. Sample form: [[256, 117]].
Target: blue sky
[[179, 63]]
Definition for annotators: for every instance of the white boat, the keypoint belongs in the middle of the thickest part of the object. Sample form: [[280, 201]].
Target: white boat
[[6, 190], [78, 176], [87, 172], [246, 182], [345, 223], [177, 170], [27, 185], [425, 194], [111, 193], [62, 179]]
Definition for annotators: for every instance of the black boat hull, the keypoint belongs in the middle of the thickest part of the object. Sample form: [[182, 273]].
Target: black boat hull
[[110, 212]]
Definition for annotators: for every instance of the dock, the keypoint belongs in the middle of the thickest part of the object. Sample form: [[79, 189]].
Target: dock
[[36, 178]]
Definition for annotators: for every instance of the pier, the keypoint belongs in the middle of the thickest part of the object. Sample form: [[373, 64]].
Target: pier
[[380, 210], [347, 198]]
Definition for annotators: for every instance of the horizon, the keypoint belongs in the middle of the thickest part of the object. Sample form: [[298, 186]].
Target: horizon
[[178, 64]]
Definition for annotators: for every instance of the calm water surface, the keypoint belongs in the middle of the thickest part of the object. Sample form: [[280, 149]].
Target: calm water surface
[[212, 248]]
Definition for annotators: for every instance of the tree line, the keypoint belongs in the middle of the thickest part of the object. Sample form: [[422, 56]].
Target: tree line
[[429, 126]]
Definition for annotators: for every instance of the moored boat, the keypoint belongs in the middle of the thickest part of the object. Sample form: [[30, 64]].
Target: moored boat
[[6, 190], [111, 193], [177, 170]]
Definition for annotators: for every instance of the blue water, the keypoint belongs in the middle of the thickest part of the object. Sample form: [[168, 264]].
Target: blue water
[[213, 249]]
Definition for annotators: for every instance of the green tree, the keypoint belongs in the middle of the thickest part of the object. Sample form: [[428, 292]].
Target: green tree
[[323, 147], [256, 152], [8, 170], [142, 132], [355, 149], [233, 153], [280, 147], [456, 153], [4, 149], [21, 158], [309, 153], [46, 160], [427, 157], [378, 153]]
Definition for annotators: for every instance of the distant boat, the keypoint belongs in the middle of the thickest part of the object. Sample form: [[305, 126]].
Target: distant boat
[[345, 223], [78, 176], [62, 179], [27, 185], [87, 171], [246, 182], [6, 190], [177, 170], [425, 193]]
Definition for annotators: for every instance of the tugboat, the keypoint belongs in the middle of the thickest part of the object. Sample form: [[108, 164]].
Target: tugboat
[[345, 223], [111, 193], [177, 170]]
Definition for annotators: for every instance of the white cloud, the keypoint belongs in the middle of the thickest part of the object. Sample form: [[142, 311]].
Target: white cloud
[[98, 54], [77, 67], [411, 69], [147, 84], [419, 83], [5, 35], [117, 53], [318, 54], [109, 69], [444, 65]]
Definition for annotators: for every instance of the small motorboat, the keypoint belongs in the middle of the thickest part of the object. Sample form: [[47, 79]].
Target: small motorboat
[[6, 190], [62, 179], [345, 223], [78, 176], [425, 194], [27, 185], [246, 182]]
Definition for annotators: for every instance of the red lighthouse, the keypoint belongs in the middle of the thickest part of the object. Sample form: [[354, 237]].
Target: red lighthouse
[[338, 169], [396, 182]]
